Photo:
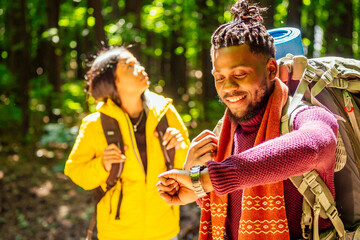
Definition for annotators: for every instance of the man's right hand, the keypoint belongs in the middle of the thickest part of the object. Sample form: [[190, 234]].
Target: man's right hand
[[203, 148]]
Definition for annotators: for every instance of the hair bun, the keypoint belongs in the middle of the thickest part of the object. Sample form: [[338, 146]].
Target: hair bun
[[242, 12]]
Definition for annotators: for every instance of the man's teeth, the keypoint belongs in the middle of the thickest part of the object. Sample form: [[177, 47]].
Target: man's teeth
[[235, 99]]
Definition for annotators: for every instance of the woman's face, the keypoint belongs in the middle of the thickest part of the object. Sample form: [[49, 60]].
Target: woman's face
[[130, 76]]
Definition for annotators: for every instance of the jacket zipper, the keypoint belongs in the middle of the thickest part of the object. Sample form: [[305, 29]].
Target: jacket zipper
[[133, 145]]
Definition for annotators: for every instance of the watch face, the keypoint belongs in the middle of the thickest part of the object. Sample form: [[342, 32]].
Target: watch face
[[196, 167]]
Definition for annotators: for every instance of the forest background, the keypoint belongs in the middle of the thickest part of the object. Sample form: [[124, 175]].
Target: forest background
[[44, 50]]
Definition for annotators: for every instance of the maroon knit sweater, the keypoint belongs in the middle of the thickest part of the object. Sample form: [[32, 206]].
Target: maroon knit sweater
[[311, 145]]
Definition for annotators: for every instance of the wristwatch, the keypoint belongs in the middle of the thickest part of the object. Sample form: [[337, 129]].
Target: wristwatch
[[195, 180]]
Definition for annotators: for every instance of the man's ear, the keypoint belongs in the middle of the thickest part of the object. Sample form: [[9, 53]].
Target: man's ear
[[271, 67]]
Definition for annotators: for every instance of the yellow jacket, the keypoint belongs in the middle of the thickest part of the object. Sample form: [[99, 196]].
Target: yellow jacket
[[143, 214]]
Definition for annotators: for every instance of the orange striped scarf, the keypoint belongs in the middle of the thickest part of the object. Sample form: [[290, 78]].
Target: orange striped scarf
[[263, 213]]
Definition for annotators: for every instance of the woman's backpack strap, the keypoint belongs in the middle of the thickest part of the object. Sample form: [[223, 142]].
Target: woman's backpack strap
[[113, 136], [169, 155]]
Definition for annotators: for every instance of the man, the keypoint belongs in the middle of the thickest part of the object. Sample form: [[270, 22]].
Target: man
[[243, 183]]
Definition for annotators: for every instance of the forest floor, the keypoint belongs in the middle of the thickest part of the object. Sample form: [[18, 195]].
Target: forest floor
[[38, 202]]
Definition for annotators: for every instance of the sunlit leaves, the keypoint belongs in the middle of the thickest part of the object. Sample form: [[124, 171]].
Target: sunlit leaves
[[73, 44], [306, 41], [307, 2], [153, 19], [72, 17], [73, 89], [72, 105], [4, 54], [179, 50], [51, 32], [91, 21], [158, 52], [115, 40], [281, 13], [227, 16]]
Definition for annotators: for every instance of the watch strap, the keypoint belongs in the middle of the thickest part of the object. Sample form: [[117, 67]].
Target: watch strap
[[195, 172]]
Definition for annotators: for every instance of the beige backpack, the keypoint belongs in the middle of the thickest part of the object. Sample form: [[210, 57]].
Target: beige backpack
[[334, 84]]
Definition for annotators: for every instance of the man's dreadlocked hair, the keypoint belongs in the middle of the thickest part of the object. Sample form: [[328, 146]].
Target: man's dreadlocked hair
[[246, 28]]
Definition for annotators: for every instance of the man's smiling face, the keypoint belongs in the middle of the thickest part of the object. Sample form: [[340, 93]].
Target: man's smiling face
[[243, 80]]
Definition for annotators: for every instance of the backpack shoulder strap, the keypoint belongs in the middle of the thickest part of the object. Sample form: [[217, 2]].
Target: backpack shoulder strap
[[113, 136], [316, 194], [169, 155], [319, 198]]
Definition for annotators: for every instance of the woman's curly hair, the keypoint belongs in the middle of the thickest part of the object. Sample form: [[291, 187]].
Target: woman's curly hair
[[245, 28]]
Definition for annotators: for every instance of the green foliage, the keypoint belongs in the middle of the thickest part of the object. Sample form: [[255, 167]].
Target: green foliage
[[163, 30], [170, 35], [10, 113], [23, 223], [281, 13], [58, 133], [74, 98]]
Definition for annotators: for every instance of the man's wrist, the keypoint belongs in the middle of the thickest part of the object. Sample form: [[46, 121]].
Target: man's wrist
[[206, 181], [195, 175]]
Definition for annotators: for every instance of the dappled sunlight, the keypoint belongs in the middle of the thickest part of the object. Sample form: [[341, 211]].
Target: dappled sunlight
[[43, 190]]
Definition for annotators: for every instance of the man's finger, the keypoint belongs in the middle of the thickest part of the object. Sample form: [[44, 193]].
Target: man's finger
[[206, 140], [210, 147], [172, 200], [204, 134], [166, 181]]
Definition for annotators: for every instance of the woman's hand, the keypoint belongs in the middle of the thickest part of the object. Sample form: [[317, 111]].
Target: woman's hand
[[112, 154], [172, 138], [202, 149]]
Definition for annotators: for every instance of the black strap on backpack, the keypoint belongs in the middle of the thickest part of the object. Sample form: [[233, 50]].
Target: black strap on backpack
[[113, 135], [169, 155]]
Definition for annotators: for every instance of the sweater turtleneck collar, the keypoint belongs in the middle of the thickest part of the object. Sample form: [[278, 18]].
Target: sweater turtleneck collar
[[254, 123]]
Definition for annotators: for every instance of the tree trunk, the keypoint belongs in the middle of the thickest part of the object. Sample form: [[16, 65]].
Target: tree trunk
[[134, 7], [339, 29], [19, 60], [133, 14], [164, 62], [99, 23], [54, 60], [268, 15], [294, 14], [308, 29], [53, 63], [25, 72], [116, 14], [177, 66], [207, 25]]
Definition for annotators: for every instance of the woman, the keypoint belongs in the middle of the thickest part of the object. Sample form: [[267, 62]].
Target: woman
[[120, 83]]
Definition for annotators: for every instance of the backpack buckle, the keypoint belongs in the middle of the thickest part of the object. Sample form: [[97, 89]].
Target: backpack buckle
[[327, 77], [309, 74], [332, 212], [340, 83]]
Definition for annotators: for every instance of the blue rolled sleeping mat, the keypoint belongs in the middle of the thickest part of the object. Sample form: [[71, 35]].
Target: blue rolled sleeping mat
[[287, 40]]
